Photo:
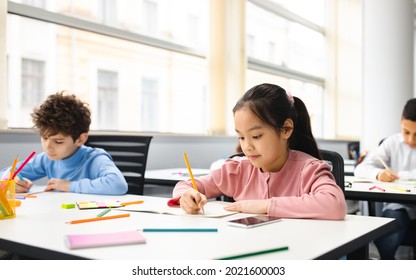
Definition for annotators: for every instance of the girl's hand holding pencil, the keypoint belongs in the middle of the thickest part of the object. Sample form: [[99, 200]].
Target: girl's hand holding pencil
[[192, 201]]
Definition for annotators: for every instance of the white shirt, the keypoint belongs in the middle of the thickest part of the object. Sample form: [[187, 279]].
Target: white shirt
[[400, 157]]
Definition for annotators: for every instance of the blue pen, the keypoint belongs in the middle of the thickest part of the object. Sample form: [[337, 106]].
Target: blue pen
[[20, 177]]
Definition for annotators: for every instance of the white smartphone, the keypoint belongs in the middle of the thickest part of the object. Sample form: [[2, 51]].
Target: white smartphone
[[255, 221]]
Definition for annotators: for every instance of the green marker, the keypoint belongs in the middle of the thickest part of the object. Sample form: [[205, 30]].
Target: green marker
[[104, 212], [256, 253]]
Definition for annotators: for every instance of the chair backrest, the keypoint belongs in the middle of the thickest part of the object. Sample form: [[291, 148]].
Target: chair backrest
[[336, 161], [129, 153]]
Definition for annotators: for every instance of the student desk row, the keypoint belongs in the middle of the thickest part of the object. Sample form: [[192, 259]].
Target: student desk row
[[374, 191], [169, 177], [358, 189], [39, 228]]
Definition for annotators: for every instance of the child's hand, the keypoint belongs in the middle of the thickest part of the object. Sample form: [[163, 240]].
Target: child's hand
[[192, 201], [58, 184], [23, 186], [259, 206], [387, 175]]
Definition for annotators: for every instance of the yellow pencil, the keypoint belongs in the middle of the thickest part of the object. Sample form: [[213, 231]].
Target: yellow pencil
[[190, 171], [398, 189], [191, 175], [13, 167], [131, 202]]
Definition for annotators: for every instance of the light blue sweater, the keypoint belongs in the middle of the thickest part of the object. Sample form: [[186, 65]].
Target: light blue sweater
[[90, 170]]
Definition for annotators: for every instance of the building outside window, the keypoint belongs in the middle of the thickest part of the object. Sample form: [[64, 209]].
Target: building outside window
[[107, 100], [33, 82], [150, 100], [168, 42]]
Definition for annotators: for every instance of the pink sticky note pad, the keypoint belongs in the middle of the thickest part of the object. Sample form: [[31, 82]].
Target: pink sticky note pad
[[78, 241]]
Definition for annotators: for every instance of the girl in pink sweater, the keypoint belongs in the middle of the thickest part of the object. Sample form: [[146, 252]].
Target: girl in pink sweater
[[281, 174]]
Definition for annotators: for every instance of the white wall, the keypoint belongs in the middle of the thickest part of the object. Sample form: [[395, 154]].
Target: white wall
[[166, 151]]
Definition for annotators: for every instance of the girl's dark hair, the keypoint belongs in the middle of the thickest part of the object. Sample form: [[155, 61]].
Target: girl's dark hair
[[62, 113], [273, 106], [409, 111]]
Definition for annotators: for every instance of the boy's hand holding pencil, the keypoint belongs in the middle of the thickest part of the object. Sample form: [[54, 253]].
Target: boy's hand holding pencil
[[386, 175], [22, 185]]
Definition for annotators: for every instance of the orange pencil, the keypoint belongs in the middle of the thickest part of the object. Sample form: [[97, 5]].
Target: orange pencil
[[13, 167], [131, 202], [98, 219]]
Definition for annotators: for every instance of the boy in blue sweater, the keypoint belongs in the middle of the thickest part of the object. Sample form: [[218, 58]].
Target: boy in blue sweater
[[63, 123]]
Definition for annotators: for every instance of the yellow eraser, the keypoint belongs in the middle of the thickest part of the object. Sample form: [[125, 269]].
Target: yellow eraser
[[68, 205]]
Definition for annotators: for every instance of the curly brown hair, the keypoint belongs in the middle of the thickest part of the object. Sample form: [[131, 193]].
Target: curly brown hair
[[62, 113]]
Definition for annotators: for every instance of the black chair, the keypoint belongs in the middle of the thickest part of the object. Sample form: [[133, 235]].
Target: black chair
[[336, 161], [129, 153]]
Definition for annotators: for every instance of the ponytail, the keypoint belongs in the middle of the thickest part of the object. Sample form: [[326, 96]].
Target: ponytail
[[302, 138]]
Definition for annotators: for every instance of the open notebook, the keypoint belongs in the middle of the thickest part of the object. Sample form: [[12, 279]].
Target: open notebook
[[213, 209], [33, 190], [37, 189]]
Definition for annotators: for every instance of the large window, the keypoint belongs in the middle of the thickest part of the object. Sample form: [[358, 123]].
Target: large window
[[149, 109], [33, 79], [121, 57], [107, 100], [289, 50], [143, 65]]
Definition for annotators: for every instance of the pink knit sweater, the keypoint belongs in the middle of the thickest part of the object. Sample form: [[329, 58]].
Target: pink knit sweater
[[303, 188]]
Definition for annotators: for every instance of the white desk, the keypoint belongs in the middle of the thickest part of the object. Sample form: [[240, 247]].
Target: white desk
[[169, 177], [40, 226], [360, 190]]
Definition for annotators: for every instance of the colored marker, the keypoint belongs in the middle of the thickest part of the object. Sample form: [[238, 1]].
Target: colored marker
[[398, 189], [180, 230], [256, 253], [20, 177], [131, 202], [23, 164], [98, 219], [375, 187], [104, 212]]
